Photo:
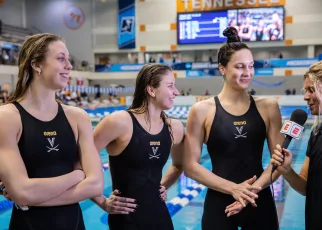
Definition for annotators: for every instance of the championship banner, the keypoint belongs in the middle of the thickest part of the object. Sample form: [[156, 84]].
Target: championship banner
[[210, 5], [126, 24]]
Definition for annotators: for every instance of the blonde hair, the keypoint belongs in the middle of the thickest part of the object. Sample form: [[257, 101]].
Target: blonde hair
[[34, 49], [315, 75]]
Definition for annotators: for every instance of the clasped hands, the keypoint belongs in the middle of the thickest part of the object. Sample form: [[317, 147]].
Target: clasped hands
[[243, 193]]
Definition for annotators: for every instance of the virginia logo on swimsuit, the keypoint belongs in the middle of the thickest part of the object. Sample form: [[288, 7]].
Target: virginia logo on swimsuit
[[52, 144], [154, 153], [240, 129]]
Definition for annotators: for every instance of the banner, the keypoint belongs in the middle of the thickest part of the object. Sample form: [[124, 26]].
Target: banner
[[285, 63], [210, 5], [93, 90], [126, 24], [264, 72], [118, 68]]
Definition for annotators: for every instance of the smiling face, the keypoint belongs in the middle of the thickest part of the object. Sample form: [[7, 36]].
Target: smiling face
[[55, 69], [166, 92], [239, 70], [310, 96], [155, 83]]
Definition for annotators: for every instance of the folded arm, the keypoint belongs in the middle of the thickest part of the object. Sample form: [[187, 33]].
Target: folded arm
[[13, 173], [93, 184]]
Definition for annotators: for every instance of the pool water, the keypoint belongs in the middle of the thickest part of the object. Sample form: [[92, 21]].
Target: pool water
[[290, 204]]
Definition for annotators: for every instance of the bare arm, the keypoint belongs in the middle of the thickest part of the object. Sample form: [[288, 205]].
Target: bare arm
[[107, 131], [93, 183], [274, 137], [192, 149], [110, 129], [298, 181], [13, 173], [175, 170]]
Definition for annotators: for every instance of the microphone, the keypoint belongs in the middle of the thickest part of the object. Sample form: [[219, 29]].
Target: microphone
[[292, 128]]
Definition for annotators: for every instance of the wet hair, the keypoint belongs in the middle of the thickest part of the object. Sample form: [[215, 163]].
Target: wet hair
[[34, 49], [149, 75], [233, 44]]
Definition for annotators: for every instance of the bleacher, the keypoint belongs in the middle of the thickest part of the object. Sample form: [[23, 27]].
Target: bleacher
[[13, 33]]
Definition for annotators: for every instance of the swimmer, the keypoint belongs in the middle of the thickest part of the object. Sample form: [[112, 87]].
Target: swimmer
[[234, 126], [139, 142], [48, 159]]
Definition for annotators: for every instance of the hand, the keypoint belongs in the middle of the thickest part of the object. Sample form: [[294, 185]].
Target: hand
[[236, 207], [119, 205], [163, 193], [283, 162], [245, 191]]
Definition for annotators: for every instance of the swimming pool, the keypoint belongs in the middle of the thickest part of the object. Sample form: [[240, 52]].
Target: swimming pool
[[290, 205]]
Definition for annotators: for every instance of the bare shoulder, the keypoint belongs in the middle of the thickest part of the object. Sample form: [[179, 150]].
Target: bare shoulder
[[177, 130], [201, 108], [267, 103], [176, 124], [77, 114], [9, 114], [10, 121], [121, 119]]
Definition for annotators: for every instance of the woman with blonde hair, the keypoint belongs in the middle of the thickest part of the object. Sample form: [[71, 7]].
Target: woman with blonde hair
[[309, 181]]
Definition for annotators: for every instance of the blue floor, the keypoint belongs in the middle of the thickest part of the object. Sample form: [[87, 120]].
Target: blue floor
[[290, 205]]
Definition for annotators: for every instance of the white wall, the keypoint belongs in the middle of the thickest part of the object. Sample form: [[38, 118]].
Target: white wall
[[11, 12], [105, 25], [47, 16]]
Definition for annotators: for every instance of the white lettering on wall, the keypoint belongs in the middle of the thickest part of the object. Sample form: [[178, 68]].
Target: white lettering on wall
[[206, 3], [240, 2], [251, 2], [195, 4], [229, 3], [185, 4], [218, 3]]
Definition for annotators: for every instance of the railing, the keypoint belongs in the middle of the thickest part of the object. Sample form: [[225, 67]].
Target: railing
[[13, 33]]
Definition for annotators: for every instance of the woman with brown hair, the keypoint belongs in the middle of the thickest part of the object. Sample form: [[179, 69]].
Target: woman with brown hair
[[234, 126], [139, 142], [41, 142]]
